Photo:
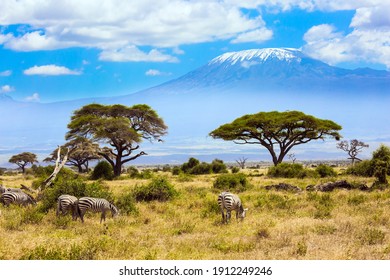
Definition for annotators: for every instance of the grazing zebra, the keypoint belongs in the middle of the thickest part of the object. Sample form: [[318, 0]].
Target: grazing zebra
[[230, 202], [66, 202], [95, 205], [20, 198]]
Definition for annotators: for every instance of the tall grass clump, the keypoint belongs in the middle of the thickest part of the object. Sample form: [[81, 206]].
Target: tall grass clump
[[237, 182], [159, 188]]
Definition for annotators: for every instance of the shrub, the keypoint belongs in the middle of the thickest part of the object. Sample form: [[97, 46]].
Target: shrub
[[235, 169], [325, 171], [202, 168], [218, 166], [291, 170], [381, 164], [232, 182], [176, 170], [133, 172], [286, 170], [364, 168], [126, 204], [103, 170], [158, 189], [75, 187]]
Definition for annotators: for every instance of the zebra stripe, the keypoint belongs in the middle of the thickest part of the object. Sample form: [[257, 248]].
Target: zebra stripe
[[95, 205], [229, 202], [19, 198], [65, 203]]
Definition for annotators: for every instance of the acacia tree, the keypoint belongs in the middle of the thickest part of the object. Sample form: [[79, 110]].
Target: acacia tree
[[119, 127], [81, 152], [278, 132], [353, 148], [23, 159]]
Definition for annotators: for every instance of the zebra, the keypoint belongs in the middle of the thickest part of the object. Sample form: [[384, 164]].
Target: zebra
[[230, 202], [95, 205], [19, 198], [67, 202]]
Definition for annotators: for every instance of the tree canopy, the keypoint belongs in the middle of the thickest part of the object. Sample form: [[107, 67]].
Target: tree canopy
[[277, 131], [23, 159], [119, 127]]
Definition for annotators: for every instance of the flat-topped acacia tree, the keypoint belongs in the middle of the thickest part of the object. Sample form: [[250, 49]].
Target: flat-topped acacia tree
[[278, 132], [119, 127]]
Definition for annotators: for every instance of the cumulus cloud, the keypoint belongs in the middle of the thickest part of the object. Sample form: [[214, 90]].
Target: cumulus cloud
[[33, 98], [360, 45], [6, 89], [115, 26], [50, 70]]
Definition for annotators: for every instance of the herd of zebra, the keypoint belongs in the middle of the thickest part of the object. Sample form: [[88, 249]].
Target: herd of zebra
[[78, 207], [65, 203]]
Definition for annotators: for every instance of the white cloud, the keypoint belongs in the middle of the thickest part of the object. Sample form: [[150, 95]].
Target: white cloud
[[113, 26], [50, 70], [6, 89], [154, 72], [33, 98], [132, 53], [361, 45], [6, 73]]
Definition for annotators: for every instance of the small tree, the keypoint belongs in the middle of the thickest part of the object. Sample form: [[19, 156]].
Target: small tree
[[241, 162], [353, 148], [81, 152], [23, 159], [278, 132]]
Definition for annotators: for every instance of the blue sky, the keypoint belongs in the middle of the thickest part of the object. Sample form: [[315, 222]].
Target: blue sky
[[67, 49]]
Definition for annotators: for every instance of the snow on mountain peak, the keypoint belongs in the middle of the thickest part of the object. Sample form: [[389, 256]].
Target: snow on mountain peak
[[282, 54]]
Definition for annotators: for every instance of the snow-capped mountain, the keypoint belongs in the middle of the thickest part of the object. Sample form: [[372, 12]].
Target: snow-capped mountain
[[227, 87], [277, 68]]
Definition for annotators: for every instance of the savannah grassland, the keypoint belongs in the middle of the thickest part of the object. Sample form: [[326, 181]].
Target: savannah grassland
[[279, 225]]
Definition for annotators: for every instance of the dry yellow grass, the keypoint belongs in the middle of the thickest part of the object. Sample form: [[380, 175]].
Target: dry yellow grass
[[280, 225]]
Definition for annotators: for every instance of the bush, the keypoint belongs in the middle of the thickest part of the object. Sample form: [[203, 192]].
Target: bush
[[176, 170], [381, 164], [218, 166], [126, 204], [132, 171], [232, 182], [363, 168], [325, 171], [75, 187], [202, 168], [291, 170], [103, 170], [286, 170], [235, 169], [158, 189]]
